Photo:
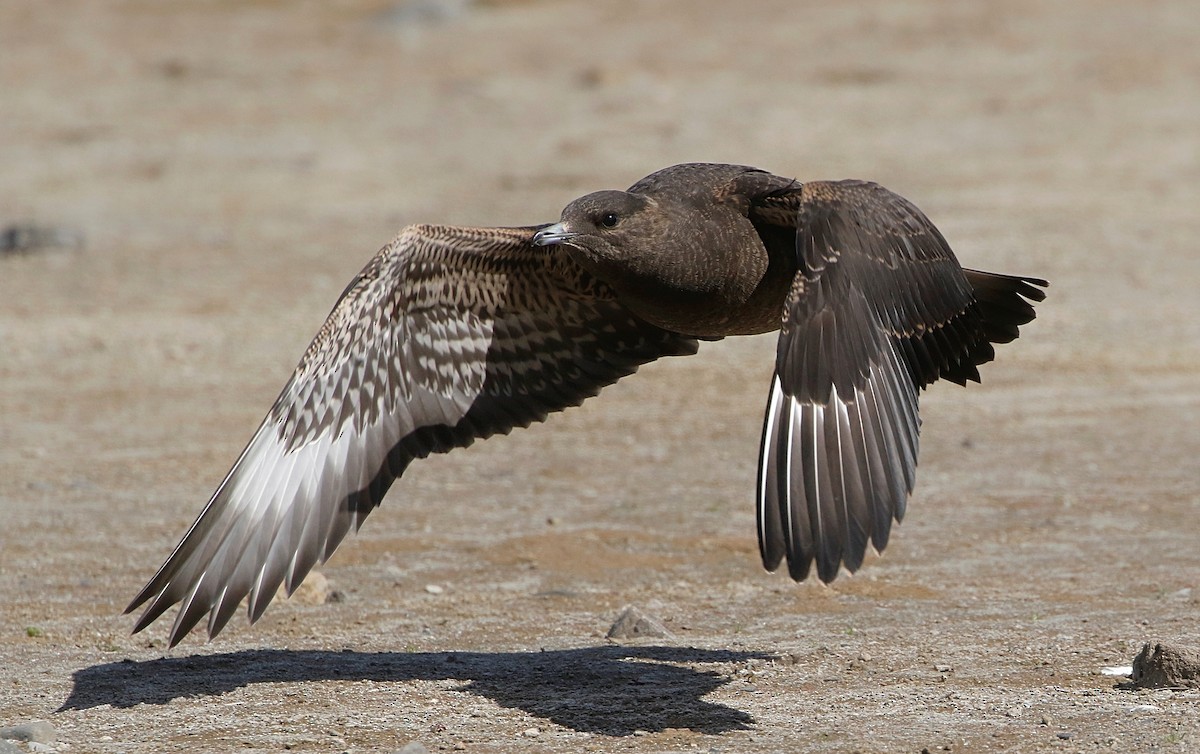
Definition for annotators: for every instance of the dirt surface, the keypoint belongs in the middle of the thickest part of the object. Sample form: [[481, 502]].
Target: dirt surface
[[231, 165]]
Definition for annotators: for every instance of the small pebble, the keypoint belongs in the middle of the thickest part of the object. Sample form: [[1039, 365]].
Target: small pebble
[[26, 238], [531, 733], [1066, 736], [434, 589], [632, 623], [314, 590], [38, 731], [413, 747], [943, 668]]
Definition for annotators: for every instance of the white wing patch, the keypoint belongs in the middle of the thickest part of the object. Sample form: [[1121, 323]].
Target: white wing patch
[[284, 508], [832, 476], [448, 335]]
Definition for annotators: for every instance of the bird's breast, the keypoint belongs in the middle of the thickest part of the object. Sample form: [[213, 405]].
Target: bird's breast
[[711, 296]]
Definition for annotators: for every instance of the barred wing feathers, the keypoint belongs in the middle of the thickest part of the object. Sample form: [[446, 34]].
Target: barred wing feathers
[[447, 335]]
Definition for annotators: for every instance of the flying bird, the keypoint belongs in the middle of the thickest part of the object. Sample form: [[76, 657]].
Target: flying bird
[[451, 334]]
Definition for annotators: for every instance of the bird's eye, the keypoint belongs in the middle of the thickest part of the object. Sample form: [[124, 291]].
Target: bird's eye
[[609, 219]]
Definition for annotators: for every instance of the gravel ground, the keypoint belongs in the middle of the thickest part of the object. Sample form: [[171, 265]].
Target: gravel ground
[[210, 175]]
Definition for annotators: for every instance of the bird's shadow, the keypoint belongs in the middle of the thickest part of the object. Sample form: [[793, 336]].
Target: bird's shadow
[[610, 690]]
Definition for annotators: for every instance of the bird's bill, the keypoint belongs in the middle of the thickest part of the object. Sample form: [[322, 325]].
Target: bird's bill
[[552, 234]]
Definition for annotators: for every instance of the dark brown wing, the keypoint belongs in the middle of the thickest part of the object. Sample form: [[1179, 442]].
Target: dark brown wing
[[447, 335], [879, 309]]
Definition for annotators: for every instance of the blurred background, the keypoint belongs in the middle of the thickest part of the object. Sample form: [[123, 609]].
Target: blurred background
[[186, 187]]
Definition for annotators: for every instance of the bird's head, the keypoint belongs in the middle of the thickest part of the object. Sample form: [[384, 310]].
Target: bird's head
[[607, 231], [676, 247]]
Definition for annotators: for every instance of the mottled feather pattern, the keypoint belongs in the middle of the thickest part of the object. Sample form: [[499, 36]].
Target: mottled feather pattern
[[446, 336]]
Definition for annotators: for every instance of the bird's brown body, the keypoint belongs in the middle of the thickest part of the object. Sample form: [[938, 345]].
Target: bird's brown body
[[453, 334], [697, 264]]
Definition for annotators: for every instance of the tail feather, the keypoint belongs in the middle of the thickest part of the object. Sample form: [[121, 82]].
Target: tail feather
[[1005, 302], [1002, 304]]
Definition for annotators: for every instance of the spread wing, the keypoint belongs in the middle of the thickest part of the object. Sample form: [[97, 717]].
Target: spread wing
[[879, 309], [447, 335]]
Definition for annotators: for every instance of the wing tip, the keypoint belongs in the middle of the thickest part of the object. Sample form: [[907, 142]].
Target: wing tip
[[863, 471]]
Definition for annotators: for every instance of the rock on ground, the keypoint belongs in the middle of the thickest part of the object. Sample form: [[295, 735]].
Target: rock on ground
[[316, 589], [632, 623], [38, 731], [1166, 666]]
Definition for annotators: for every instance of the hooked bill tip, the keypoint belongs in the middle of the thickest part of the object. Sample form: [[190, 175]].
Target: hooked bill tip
[[553, 234]]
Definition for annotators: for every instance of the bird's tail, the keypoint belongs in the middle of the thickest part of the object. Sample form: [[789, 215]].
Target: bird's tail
[[1003, 304]]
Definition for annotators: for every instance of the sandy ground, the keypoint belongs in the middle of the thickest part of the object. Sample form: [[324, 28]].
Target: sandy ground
[[232, 165]]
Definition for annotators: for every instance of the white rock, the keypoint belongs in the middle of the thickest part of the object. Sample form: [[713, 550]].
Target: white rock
[[38, 731]]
